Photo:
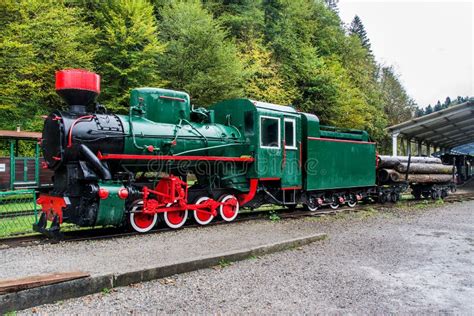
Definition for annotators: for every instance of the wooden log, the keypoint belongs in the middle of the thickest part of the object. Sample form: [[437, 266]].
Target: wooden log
[[382, 175], [392, 161], [427, 168], [15, 285], [427, 178], [387, 175]]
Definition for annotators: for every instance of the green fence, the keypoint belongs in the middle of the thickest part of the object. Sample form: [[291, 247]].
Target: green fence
[[18, 212]]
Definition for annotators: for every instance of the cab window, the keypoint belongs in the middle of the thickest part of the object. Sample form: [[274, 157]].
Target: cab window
[[269, 132], [248, 123], [290, 133]]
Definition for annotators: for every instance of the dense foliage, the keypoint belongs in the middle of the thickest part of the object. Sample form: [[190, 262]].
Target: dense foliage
[[283, 51]]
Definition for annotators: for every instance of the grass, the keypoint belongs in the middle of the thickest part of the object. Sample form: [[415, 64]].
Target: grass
[[366, 213], [273, 216], [359, 214], [16, 225], [22, 205], [224, 263]]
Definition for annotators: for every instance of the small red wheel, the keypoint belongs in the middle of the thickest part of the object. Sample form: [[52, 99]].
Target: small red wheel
[[142, 222], [202, 218], [175, 219], [229, 208]]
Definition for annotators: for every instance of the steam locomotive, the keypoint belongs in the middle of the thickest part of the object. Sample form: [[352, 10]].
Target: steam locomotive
[[167, 161]]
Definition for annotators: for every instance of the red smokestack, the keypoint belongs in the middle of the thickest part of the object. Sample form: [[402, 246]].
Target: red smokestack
[[78, 88]]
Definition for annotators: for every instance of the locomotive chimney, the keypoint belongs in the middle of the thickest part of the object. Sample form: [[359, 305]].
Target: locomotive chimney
[[78, 88]]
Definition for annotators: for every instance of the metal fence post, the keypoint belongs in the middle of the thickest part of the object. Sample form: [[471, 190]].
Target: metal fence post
[[12, 164], [37, 164], [25, 169], [35, 209]]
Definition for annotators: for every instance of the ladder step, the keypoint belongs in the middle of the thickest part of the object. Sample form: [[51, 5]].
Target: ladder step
[[25, 184]]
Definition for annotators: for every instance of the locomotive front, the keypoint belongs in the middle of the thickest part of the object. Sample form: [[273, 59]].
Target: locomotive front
[[101, 161]]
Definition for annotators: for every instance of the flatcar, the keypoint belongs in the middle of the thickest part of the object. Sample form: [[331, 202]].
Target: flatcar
[[167, 161]]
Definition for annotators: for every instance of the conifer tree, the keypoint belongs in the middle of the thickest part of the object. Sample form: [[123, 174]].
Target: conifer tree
[[438, 106], [37, 39], [243, 18], [199, 58], [419, 112], [447, 103], [129, 49], [357, 28], [398, 106], [429, 109], [332, 4]]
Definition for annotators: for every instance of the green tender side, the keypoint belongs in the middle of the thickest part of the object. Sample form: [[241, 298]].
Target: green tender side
[[336, 162], [112, 209]]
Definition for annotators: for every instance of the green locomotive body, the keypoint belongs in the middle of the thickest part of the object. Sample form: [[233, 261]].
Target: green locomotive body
[[113, 169]]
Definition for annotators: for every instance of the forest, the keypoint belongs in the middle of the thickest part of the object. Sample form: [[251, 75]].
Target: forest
[[289, 52]]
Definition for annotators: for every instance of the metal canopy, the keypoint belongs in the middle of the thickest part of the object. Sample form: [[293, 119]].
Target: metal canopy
[[467, 149], [447, 128]]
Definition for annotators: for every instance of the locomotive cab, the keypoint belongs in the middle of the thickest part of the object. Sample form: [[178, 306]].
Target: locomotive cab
[[274, 132]]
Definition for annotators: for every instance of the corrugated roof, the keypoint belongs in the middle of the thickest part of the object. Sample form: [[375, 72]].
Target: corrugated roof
[[447, 128], [19, 135], [467, 149]]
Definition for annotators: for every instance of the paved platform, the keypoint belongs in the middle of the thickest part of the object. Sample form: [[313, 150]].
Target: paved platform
[[120, 255], [127, 260], [393, 261]]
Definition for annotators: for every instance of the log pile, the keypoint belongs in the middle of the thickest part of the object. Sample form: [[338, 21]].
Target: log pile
[[419, 169]]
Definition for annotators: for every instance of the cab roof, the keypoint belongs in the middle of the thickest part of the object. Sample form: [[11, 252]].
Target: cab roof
[[273, 107]]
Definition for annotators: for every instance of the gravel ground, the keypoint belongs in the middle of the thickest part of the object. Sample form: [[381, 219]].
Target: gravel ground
[[395, 261], [467, 187]]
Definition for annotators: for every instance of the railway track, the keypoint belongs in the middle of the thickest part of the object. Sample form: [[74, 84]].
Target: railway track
[[283, 213]]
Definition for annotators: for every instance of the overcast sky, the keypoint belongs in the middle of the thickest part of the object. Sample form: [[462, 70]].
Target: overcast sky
[[430, 43]]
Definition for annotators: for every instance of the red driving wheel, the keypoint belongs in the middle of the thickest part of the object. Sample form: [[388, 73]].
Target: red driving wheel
[[202, 218], [229, 208]]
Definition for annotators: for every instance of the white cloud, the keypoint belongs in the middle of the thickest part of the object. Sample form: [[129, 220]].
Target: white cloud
[[429, 43]]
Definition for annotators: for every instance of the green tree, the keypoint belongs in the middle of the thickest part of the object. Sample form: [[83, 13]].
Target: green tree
[[332, 4], [129, 49], [329, 35], [357, 28], [419, 112], [244, 19], [289, 34], [200, 59], [446, 103], [398, 106], [308, 39], [438, 106], [429, 109], [37, 39], [265, 82]]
